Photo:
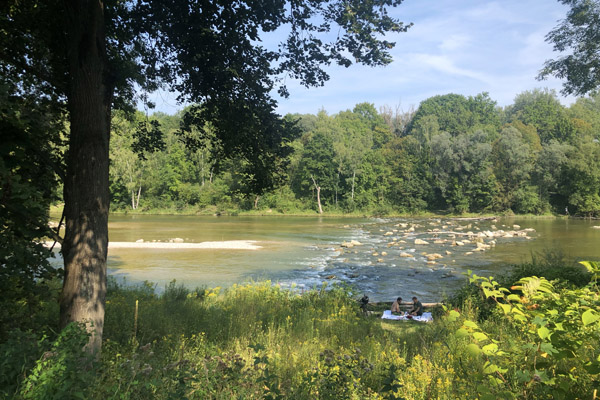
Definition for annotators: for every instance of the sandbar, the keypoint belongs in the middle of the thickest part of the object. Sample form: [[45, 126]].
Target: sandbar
[[226, 244]]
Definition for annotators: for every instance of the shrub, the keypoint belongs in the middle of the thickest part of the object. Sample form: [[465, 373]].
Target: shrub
[[64, 372]]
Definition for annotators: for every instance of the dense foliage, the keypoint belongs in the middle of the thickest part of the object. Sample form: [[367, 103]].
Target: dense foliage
[[80, 60], [453, 154], [258, 341]]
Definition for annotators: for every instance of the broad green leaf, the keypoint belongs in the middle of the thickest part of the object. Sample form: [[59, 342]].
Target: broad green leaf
[[520, 317], [480, 336], [591, 266], [544, 332], [470, 324], [505, 308], [490, 368], [548, 348], [453, 315], [559, 326], [490, 349], [473, 349], [461, 333], [589, 317]]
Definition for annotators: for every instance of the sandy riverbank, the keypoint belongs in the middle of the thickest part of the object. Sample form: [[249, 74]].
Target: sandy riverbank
[[227, 244]]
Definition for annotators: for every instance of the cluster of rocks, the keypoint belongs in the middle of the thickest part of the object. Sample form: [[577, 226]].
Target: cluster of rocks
[[468, 238], [351, 244]]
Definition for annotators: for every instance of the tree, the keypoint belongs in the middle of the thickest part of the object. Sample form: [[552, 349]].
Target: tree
[[127, 169], [87, 56], [355, 139], [541, 109], [410, 180], [587, 110], [27, 187], [513, 164], [317, 169], [462, 168], [581, 185], [547, 175], [457, 114], [578, 34]]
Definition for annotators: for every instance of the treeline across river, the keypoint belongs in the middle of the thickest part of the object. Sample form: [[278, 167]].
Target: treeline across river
[[451, 154]]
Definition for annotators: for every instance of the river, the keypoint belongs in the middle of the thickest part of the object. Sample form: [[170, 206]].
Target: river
[[304, 252]]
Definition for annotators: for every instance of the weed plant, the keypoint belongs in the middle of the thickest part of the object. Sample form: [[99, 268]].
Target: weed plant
[[258, 341]]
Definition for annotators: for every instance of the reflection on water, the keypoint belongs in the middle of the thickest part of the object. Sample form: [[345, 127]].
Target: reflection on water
[[307, 251]]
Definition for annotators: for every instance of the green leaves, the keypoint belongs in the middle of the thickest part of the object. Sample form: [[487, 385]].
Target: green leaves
[[576, 35], [544, 333], [589, 317], [593, 267], [473, 349], [548, 331]]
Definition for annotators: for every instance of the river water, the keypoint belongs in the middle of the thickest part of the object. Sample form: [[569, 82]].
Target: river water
[[304, 252]]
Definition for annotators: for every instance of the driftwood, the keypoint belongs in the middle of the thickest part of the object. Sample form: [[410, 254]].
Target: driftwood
[[474, 218], [404, 303]]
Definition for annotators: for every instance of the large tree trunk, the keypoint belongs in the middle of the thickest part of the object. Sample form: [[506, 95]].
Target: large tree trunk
[[86, 188]]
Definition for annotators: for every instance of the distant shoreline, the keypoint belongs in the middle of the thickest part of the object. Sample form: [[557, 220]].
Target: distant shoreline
[[56, 211]]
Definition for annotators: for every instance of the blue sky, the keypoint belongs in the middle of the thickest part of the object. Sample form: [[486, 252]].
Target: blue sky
[[455, 46]]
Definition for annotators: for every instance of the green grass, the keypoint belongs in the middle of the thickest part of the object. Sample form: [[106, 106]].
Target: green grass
[[259, 341]]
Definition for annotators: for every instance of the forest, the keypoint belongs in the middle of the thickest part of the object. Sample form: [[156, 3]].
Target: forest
[[452, 154], [71, 76]]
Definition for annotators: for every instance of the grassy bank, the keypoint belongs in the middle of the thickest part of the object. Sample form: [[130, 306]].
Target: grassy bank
[[259, 341]]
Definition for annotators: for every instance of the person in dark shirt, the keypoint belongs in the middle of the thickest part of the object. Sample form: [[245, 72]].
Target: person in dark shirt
[[417, 308], [364, 302]]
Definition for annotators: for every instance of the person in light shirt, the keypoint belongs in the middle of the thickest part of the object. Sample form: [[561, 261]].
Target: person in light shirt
[[396, 306]]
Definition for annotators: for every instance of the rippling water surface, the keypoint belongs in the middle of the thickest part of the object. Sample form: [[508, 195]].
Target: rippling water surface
[[307, 251]]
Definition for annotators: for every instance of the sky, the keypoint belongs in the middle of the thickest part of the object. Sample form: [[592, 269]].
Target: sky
[[455, 46]]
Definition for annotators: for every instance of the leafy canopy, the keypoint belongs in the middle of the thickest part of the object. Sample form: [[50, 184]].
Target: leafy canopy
[[577, 36]]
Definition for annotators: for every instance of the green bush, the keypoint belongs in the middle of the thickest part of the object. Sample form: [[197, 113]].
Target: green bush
[[552, 265], [64, 372], [258, 341]]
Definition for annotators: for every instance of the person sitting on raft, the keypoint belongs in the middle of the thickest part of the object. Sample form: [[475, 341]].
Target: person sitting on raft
[[396, 305], [417, 308]]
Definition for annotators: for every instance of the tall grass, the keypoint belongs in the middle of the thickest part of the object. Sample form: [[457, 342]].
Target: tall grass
[[256, 341]]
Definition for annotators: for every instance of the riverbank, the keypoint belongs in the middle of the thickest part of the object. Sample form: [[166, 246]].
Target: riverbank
[[56, 212], [259, 341]]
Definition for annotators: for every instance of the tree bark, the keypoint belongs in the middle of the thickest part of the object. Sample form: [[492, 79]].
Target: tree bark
[[353, 177], [256, 202], [86, 189], [137, 200], [318, 194]]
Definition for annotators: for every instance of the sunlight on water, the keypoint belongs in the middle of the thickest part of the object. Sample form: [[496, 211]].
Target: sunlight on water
[[307, 251]]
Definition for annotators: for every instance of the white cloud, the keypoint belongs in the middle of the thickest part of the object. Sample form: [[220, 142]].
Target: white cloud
[[446, 65], [455, 42], [455, 46]]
